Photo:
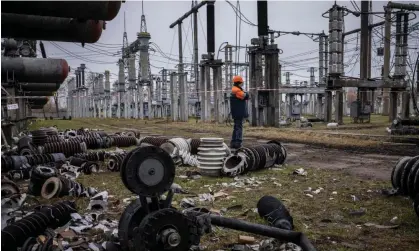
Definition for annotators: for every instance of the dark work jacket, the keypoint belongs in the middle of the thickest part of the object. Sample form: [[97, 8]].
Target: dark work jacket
[[238, 103]]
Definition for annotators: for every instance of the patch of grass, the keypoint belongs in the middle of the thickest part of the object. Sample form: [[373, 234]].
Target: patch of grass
[[325, 219], [327, 222]]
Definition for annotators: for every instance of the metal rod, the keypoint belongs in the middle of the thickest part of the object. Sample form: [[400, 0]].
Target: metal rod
[[262, 10], [403, 6], [386, 67], [358, 30], [362, 95], [187, 14], [210, 29], [195, 45], [277, 233], [182, 84]]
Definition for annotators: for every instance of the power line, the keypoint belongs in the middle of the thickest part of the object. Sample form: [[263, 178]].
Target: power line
[[79, 57]]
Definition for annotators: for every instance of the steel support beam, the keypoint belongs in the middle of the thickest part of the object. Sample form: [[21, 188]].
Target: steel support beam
[[362, 93], [184, 113], [187, 14]]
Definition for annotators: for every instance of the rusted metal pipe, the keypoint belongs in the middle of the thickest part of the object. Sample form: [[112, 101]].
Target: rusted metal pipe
[[34, 70], [95, 10], [50, 28]]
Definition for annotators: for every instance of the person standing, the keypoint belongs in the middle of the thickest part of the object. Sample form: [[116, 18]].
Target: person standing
[[238, 106]]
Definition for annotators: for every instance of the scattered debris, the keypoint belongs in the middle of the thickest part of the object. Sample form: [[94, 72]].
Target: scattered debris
[[300, 171], [243, 239]]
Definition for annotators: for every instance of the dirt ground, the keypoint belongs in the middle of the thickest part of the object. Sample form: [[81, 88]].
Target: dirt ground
[[369, 166]]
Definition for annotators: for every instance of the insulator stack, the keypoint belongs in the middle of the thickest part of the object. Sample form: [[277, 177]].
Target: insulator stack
[[259, 157], [336, 26], [15, 234], [14, 163], [115, 161], [38, 177], [54, 138], [48, 243], [405, 178], [17, 175], [25, 146], [70, 134], [188, 159], [68, 148], [92, 156], [131, 134], [124, 141], [92, 142], [6, 163], [50, 131], [39, 137], [234, 165], [8, 188], [181, 144], [61, 186], [154, 141], [211, 155], [39, 159], [86, 166], [194, 146]]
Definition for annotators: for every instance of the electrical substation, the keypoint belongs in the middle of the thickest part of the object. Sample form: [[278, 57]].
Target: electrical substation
[[138, 93], [323, 129]]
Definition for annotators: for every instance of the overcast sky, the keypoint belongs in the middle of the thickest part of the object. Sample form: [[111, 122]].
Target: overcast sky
[[282, 15]]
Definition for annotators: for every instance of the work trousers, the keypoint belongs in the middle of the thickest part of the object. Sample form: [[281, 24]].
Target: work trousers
[[237, 138]]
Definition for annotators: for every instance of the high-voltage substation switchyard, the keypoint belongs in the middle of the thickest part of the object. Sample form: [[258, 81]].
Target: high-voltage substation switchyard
[[29, 81]]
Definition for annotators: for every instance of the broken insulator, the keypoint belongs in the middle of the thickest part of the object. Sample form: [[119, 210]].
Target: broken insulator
[[405, 176], [115, 161], [62, 186], [15, 234], [6, 163], [194, 143], [8, 188], [93, 156], [54, 138], [68, 148], [275, 213], [39, 159], [38, 177], [85, 166], [155, 141], [123, 141], [39, 137], [264, 156], [234, 165]]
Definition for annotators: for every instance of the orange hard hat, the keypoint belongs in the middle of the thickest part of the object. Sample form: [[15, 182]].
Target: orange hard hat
[[237, 79]]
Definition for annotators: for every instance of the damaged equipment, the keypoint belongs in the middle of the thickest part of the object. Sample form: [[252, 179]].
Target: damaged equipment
[[149, 172], [405, 179]]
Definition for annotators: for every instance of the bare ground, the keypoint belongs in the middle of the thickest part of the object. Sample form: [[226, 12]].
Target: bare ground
[[370, 166]]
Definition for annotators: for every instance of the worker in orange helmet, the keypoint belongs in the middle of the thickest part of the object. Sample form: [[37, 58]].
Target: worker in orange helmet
[[239, 112]]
